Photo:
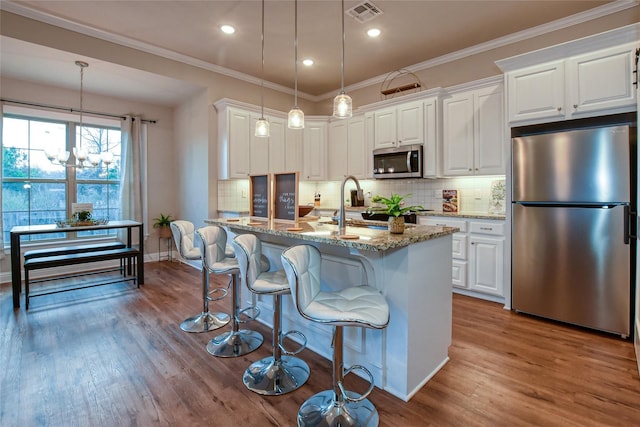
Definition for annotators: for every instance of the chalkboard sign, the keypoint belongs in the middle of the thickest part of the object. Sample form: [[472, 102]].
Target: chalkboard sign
[[285, 196], [260, 192]]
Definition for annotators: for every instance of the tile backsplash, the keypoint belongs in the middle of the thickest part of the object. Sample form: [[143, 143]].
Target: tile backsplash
[[474, 192]]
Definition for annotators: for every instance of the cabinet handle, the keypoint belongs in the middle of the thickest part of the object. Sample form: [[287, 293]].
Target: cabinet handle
[[477, 169], [559, 108], [486, 228], [575, 106], [470, 169], [441, 225], [473, 243]]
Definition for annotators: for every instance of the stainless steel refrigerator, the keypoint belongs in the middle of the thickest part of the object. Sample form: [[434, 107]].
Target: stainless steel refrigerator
[[573, 221]]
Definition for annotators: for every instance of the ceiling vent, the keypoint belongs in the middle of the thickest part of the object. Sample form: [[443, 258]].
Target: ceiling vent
[[364, 12]]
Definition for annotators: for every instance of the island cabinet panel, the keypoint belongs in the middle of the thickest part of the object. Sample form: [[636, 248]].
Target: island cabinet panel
[[412, 271]]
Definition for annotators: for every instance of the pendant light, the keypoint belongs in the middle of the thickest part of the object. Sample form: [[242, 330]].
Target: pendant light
[[262, 125], [342, 105], [296, 116]]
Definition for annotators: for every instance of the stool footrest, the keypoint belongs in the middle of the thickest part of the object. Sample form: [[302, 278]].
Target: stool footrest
[[249, 318], [215, 291], [302, 346], [365, 394]]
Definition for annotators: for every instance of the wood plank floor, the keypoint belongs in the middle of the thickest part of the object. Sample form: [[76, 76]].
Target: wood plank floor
[[115, 355]]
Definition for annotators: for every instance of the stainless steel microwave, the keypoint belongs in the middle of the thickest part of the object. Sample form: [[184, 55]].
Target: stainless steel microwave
[[398, 162]]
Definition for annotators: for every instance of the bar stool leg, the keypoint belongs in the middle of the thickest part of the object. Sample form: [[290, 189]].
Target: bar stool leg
[[329, 407], [276, 374], [238, 341], [205, 321]]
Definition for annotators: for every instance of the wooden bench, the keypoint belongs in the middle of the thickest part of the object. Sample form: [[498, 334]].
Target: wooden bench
[[41, 261]]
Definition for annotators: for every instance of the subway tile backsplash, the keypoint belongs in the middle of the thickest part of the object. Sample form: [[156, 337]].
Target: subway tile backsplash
[[474, 192]]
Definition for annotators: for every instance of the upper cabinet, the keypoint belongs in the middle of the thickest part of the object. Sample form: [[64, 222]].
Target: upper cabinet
[[399, 125], [473, 138], [346, 149], [590, 84], [241, 153], [315, 150]]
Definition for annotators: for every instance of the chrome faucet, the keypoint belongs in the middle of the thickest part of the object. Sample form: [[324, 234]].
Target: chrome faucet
[[341, 226]]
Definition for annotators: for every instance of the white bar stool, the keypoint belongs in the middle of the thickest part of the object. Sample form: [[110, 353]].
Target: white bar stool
[[276, 374], [236, 342], [184, 236], [354, 306]]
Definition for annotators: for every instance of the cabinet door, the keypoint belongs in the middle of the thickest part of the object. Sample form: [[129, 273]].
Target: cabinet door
[[486, 261], [238, 144], [357, 153], [457, 135], [315, 151], [385, 129], [489, 151], [337, 151], [430, 152], [459, 273], [537, 92], [410, 126], [277, 145], [293, 161], [258, 150], [602, 80]]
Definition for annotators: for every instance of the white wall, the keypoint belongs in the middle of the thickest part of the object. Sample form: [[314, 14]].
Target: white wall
[[191, 157]]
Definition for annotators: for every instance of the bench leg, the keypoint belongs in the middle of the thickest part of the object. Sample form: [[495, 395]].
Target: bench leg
[[26, 289]]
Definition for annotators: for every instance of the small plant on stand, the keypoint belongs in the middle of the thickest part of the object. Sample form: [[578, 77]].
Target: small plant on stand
[[394, 207], [162, 224]]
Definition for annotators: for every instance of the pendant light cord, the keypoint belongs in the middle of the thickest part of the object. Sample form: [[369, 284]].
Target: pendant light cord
[[262, 71], [342, 67], [295, 67]]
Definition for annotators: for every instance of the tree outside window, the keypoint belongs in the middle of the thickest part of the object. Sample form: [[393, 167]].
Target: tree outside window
[[36, 191]]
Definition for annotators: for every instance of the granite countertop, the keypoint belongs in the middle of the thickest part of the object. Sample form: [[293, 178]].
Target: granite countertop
[[357, 235], [470, 215]]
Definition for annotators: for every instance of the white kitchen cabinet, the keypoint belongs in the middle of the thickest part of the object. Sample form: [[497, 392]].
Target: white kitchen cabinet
[[241, 153], [399, 125], [236, 142], [478, 255], [473, 132], [346, 147], [591, 84], [315, 150], [293, 159], [431, 151], [486, 257]]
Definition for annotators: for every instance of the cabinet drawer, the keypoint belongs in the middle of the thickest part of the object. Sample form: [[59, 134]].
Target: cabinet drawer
[[459, 274], [445, 222], [493, 228], [459, 246]]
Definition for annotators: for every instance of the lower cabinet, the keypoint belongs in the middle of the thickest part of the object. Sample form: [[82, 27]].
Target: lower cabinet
[[478, 255]]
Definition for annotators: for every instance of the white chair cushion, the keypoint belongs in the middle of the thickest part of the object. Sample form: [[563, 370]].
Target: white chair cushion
[[184, 236], [350, 306], [225, 266], [271, 282]]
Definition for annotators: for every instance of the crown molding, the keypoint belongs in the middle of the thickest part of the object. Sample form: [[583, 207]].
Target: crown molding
[[607, 9]]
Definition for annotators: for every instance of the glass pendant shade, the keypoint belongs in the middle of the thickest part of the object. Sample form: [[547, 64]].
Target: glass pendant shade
[[296, 118], [262, 128], [342, 106]]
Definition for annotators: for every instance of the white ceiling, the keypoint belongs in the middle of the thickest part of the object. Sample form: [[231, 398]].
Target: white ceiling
[[413, 32]]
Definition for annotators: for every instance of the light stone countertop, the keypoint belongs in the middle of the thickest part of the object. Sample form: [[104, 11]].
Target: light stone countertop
[[326, 232]]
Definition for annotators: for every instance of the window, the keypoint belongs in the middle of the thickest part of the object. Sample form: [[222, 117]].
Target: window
[[37, 191]]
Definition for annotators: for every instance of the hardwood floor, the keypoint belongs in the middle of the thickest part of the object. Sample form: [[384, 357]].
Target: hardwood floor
[[115, 355]]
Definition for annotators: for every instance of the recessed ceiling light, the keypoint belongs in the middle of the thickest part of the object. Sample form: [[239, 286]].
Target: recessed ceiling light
[[228, 29], [308, 62], [373, 32]]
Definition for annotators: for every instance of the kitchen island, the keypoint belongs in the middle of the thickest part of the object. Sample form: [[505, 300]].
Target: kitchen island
[[413, 272]]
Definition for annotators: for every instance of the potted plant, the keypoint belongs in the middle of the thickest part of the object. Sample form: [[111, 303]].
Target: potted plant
[[395, 208], [162, 224], [83, 218]]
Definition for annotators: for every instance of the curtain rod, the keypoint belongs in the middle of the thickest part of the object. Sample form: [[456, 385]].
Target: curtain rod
[[71, 110]]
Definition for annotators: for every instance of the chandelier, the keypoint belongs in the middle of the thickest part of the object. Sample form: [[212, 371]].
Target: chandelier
[[83, 159]]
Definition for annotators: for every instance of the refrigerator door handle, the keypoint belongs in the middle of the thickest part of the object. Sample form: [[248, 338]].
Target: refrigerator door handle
[[627, 224]]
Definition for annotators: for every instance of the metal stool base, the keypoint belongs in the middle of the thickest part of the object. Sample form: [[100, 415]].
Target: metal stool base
[[323, 410], [273, 378], [205, 322], [234, 344]]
